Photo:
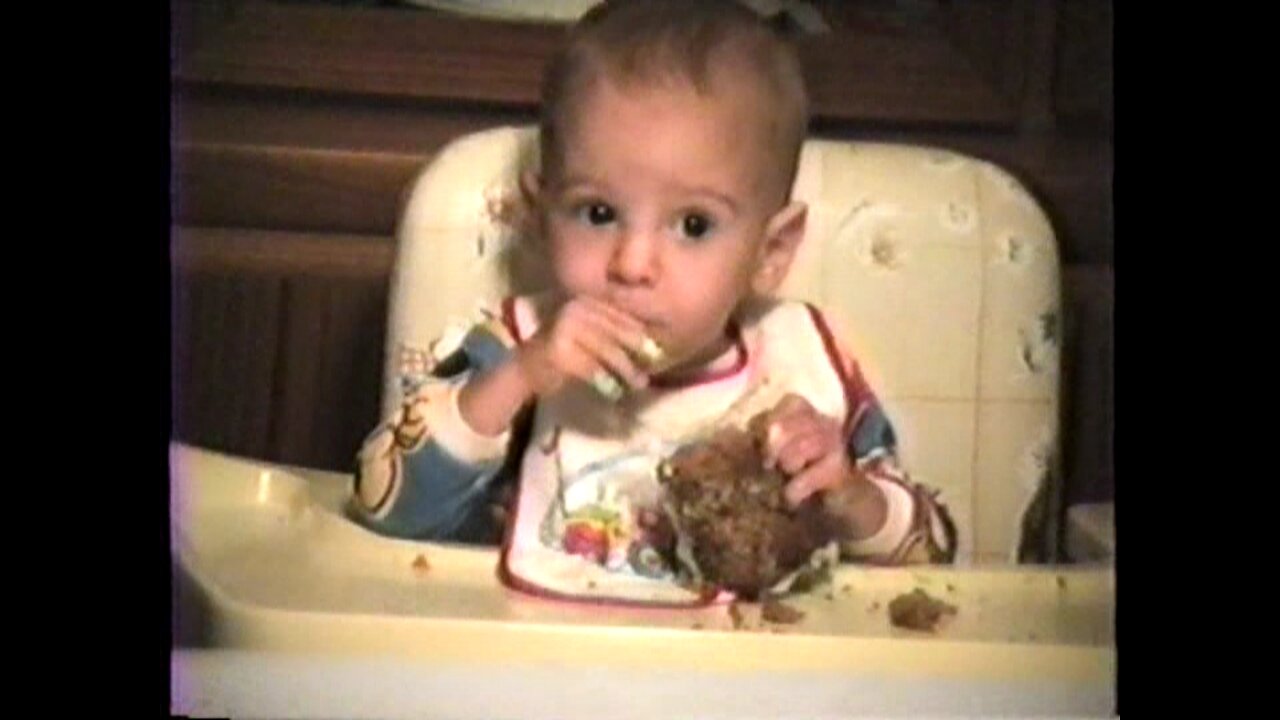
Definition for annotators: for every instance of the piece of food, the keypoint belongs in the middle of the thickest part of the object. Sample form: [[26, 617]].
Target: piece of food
[[608, 386], [775, 611], [916, 610], [652, 353], [611, 388], [734, 528]]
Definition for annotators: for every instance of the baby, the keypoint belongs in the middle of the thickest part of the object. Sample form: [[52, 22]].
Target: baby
[[670, 140]]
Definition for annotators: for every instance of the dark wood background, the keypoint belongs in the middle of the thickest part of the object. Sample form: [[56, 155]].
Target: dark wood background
[[298, 125]]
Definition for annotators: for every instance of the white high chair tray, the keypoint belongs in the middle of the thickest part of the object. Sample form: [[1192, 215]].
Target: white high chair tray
[[296, 592]]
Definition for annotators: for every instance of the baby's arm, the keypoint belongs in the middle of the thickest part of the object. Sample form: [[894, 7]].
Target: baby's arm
[[916, 527], [878, 516], [425, 472]]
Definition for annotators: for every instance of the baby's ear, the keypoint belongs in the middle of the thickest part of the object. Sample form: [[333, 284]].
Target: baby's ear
[[782, 237]]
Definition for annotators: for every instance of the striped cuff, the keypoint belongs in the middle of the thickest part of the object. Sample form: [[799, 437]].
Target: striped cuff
[[897, 523]]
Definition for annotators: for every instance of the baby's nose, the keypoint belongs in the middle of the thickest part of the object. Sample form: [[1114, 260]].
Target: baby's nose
[[635, 260]]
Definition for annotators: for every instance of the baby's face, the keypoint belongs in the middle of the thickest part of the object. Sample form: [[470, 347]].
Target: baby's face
[[660, 206]]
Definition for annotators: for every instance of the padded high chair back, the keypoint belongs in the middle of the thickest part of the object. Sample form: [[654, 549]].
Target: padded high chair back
[[940, 270]]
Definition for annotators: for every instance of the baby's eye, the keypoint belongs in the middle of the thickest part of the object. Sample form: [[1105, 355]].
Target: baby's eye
[[696, 226], [596, 214]]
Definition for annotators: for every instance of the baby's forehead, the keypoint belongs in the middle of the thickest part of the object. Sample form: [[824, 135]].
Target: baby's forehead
[[722, 78], [739, 101]]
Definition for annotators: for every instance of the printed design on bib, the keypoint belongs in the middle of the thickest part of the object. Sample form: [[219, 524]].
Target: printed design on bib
[[610, 513]]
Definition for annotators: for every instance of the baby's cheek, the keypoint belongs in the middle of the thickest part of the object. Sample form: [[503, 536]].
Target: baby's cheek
[[576, 274]]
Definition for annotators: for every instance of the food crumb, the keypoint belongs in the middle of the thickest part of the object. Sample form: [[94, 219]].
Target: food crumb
[[778, 612], [420, 563], [918, 611]]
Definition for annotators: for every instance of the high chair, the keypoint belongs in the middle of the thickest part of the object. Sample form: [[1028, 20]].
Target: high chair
[[942, 273]]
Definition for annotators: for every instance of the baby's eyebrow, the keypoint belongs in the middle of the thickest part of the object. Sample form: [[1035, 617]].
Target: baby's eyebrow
[[713, 195], [574, 182], [581, 184]]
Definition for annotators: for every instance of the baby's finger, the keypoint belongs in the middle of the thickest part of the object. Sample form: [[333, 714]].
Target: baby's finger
[[792, 404], [784, 430], [822, 475], [802, 451], [608, 356], [618, 317], [631, 334]]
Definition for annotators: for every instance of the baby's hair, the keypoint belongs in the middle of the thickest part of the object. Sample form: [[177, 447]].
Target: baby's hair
[[652, 42]]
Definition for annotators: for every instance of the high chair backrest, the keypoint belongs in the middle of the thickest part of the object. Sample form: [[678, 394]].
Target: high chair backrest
[[940, 270]]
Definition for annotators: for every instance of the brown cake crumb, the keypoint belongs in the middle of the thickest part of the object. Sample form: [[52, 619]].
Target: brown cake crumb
[[777, 612], [420, 564], [918, 611]]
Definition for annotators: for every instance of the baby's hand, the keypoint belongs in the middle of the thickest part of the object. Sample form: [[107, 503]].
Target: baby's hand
[[588, 340], [808, 447]]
